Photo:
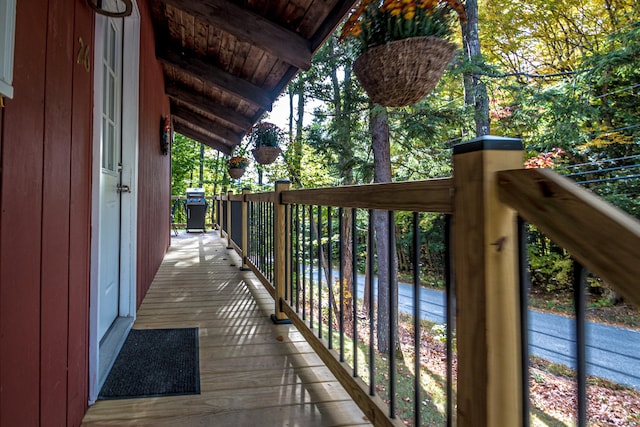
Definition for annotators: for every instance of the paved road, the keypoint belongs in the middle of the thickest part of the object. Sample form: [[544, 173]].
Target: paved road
[[612, 353]]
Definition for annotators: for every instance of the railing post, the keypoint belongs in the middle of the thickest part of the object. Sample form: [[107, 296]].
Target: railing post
[[220, 213], [245, 230], [280, 252], [486, 281], [229, 246]]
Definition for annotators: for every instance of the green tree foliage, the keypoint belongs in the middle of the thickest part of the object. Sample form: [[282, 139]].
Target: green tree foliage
[[559, 74], [185, 167]]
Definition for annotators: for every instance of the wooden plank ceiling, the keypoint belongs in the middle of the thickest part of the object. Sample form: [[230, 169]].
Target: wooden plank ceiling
[[225, 61]]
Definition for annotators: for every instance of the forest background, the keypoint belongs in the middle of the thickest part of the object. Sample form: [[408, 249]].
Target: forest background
[[564, 76]]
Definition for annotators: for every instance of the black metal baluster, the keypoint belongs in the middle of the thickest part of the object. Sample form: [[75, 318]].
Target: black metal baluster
[[393, 301], [272, 246], [296, 264], [265, 234], [287, 236], [259, 231], [372, 369], [449, 290], [267, 249], [354, 291], [579, 279], [256, 231], [250, 229], [341, 281], [417, 400], [304, 265], [523, 266], [260, 235], [272, 240], [330, 276], [291, 226], [319, 225], [311, 261]]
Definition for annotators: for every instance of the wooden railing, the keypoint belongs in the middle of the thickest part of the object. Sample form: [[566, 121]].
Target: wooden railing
[[281, 239], [603, 238]]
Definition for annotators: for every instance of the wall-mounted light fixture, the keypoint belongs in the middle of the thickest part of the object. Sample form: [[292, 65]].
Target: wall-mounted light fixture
[[113, 8], [167, 136]]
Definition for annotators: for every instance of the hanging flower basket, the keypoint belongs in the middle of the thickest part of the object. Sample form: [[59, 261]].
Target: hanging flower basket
[[402, 72], [266, 154], [236, 166], [266, 138], [235, 173]]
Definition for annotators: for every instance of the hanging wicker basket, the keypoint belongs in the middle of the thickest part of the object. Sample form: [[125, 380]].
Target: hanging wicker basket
[[235, 173], [403, 72], [265, 154]]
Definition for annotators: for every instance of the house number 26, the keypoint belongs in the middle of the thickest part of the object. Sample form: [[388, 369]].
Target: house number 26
[[83, 54]]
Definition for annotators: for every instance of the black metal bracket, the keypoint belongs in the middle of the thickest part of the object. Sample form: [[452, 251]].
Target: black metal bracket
[[277, 321]]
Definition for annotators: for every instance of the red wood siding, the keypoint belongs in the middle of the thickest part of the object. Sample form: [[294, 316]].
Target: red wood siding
[[45, 205], [154, 168], [44, 227], [54, 282], [80, 224], [21, 222]]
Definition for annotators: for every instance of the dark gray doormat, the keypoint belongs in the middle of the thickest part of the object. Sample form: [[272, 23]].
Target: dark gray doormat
[[153, 363]]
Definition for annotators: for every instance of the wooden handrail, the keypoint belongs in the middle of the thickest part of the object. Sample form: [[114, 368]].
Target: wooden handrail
[[261, 197], [600, 236], [434, 195]]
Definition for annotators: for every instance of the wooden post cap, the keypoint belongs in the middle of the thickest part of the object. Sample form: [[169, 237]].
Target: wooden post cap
[[488, 142]]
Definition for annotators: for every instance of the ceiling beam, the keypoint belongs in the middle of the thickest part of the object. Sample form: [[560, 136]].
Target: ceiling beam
[[252, 28], [330, 23], [214, 76], [205, 123], [326, 29], [185, 130], [202, 102]]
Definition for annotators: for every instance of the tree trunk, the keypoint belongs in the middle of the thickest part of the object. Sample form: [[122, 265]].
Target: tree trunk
[[475, 91], [347, 254], [379, 127], [345, 161], [300, 119], [366, 302], [218, 175], [295, 151], [349, 179], [291, 96], [201, 174]]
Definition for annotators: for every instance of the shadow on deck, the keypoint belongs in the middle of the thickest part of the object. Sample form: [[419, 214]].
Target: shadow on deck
[[252, 372]]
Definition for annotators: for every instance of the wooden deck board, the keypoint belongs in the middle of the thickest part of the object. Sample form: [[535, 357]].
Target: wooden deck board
[[252, 372]]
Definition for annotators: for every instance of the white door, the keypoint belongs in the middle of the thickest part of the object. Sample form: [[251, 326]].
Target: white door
[[110, 177]]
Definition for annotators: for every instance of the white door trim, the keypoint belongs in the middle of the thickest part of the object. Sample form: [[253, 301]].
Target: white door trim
[[99, 362]]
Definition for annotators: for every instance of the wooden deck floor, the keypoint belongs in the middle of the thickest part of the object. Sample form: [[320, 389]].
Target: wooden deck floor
[[252, 372]]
